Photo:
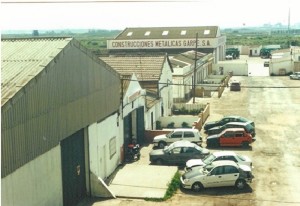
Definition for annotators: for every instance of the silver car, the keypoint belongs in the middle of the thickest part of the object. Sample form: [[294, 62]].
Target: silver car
[[217, 174], [296, 75], [177, 153]]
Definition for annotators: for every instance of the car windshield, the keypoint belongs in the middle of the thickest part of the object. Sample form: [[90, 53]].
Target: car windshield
[[241, 157], [169, 134], [243, 119], [206, 169], [210, 158]]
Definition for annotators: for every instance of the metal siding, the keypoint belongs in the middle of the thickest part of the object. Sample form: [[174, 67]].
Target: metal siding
[[73, 92]]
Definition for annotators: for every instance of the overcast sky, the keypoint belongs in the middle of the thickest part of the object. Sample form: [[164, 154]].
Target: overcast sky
[[119, 15]]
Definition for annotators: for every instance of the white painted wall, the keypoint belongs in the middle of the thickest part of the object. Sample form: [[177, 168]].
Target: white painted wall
[[166, 89], [238, 67], [133, 87], [102, 164], [38, 182]]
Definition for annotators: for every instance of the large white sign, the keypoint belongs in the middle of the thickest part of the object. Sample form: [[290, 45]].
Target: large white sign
[[165, 43]]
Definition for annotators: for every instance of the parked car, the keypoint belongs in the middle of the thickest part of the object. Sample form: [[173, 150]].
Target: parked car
[[246, 125], [295, 75], [230, 137], [178, 153], [235, 86], [217, 174], [192, 135], [225, 120], [219, 155]]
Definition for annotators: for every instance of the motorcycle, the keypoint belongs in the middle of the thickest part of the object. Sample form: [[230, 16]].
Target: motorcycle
[[133, 152]]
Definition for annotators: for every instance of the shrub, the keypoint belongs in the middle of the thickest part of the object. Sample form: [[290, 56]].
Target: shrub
[[158, 125], [171, 125], [185, 125]]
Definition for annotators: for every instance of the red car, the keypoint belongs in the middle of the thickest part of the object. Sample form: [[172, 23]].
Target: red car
[[230, 137]]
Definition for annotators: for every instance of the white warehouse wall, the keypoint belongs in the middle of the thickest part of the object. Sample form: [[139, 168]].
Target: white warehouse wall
[[38, 182], [102, 163]]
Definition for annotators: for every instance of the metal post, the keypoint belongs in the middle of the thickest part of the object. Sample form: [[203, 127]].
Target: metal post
[[195, 66]]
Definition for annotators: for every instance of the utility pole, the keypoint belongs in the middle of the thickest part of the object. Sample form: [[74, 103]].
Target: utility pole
[[195, 66]]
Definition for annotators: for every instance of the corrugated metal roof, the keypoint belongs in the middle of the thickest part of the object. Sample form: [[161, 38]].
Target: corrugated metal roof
[[169, 32], [186, 58], [146, 68], [22, 59]]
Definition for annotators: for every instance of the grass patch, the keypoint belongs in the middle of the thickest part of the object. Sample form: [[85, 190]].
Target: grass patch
[[172, 188]]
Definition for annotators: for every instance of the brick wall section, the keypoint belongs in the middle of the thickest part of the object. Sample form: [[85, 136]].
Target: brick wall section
[[150, 134]]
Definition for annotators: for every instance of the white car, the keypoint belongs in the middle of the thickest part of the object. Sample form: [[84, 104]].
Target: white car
[[296, 75], [220, 173], [220, 155], [192, 135]]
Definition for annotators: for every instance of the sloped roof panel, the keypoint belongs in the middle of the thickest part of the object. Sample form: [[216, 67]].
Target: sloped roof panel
[[146, 68], [173, 32], [23, 59]]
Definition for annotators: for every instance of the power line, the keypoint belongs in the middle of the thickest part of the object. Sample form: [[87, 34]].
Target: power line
[[216, 86]]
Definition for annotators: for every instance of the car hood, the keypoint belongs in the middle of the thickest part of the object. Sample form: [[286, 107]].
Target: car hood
[[215, 128], [157, 152], [215, 136], [211, 123], [196, 171], [245, 168], [194, 162], [205, 151], [159, 137]]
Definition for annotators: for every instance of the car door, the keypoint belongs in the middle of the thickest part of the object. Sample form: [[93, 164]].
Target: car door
[[229, 176], [227, 138], [174, 156], [189, 135], [176, 136], [188, 153], [214, 177]]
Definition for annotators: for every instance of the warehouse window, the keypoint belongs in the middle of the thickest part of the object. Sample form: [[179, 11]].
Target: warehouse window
[[112, 147], [206, 32], [183, 32], [129, 33], [147, 33], [165, 33]]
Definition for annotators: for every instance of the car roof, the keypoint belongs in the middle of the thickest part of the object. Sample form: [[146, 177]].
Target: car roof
[[224, 153], [183, 143], [184, 129], [224, 162], [239, 123], [234, 129]]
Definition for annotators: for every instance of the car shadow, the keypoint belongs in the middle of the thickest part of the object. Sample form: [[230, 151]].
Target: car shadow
[[216, 191], [249, 148]]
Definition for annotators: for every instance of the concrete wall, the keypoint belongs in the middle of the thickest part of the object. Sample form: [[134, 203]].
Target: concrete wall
[[166, 90], [239, 67], [39, 182], [281, 66], [102, 162]]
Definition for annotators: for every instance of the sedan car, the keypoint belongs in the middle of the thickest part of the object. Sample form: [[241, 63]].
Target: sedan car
[[217, 174], [225, 120], [230, 137], [296, 75], [177, 153], [219, 155], [246, 125]]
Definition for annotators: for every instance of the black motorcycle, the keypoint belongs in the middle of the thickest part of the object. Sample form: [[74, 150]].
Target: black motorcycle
[[133, 152]]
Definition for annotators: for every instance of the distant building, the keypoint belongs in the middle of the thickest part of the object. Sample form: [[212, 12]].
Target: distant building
[[173, 40]]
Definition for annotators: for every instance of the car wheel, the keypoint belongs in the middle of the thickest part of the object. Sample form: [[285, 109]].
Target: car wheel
[[240, 184], [159, 162], [197, 187], [245, 144], [161, 145]]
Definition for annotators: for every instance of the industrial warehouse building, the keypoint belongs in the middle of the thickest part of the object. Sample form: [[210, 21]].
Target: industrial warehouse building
[[60, 104], [173, 40]]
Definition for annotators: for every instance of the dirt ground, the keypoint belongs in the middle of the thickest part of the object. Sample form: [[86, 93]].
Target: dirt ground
[[273, 103]]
